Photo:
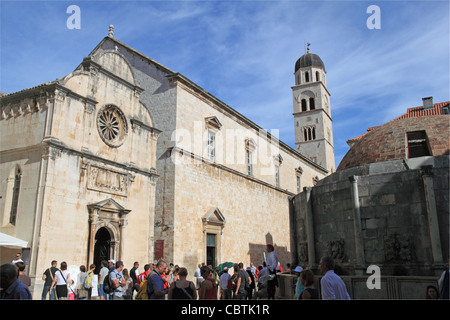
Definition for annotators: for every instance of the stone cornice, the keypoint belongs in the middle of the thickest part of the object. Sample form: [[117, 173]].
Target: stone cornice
[[57, 147], [223, 107]]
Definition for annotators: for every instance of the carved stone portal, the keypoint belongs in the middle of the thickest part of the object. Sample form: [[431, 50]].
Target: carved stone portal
[[112, 216]]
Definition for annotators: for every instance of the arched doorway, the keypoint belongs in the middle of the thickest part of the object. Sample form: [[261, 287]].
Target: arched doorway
[[107, 222], [102, 248]]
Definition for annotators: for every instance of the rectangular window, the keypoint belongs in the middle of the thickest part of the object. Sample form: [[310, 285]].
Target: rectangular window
[[15, 198], [299, 185], [211, 249], [211, 146], [417, 144], [445, 110], [249, 163]]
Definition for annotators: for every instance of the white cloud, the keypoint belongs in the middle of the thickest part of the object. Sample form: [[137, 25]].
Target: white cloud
[[244, 52]]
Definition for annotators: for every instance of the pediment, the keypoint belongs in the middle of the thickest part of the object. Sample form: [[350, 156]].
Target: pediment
[[250, 144], [108, 205], [278, 159], [214, 216], [213, 121]]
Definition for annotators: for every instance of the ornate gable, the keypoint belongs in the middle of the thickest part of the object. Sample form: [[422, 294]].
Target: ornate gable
[[109, 205], [213, 122], [214, 217]]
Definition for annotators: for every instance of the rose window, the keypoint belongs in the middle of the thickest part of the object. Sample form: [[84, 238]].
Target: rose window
[[112, 125]]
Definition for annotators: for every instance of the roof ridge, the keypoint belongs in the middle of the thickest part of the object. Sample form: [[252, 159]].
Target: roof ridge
[[420, 111], [413, 112]]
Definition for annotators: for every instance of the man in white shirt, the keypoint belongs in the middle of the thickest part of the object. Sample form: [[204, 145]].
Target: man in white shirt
[[272, 259], [272, 264], [17, 259], [333, 287], [198, 275], [253, 269], [103, 273]]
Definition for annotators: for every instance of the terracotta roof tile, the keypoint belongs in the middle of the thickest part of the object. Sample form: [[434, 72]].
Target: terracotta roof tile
[[387, 142], [421, 112], [411, 113]]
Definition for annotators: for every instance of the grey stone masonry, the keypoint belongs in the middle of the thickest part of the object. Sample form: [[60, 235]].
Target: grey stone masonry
[[392, 214]]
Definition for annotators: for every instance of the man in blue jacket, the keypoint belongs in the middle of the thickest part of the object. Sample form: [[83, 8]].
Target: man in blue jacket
[[155, 284], [11, 286]]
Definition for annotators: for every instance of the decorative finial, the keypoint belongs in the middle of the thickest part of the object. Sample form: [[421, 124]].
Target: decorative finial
[[307, 47], [111, 31]]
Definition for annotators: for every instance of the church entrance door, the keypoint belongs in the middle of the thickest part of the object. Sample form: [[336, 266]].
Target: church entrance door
[[102, 248], [107, 221]]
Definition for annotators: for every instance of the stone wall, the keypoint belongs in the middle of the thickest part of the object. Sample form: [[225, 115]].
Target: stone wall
[[387, 142], [392, 214], [246, 223], [391, 287]]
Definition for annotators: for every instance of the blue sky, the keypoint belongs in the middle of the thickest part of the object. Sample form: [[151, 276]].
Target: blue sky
[[244, 52]]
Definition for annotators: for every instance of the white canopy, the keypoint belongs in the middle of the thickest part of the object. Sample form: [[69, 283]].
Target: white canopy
[[12, 242]]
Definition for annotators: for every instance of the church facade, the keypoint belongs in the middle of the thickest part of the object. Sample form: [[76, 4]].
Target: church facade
[[127, 159]]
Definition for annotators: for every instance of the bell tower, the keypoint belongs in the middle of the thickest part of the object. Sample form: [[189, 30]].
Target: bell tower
[[312, 112]]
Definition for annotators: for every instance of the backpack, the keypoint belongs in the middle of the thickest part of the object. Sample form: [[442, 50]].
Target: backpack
[[88, 281], [143, 293], [107, 284]]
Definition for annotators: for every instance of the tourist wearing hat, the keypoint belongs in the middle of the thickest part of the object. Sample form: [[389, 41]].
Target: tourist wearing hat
[[111, 264], [299, 287]]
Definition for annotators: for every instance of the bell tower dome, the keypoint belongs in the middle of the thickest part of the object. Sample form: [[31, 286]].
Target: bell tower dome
[[312, 112]]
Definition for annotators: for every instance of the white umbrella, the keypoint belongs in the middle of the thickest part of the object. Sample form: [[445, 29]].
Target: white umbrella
[[12, 242]]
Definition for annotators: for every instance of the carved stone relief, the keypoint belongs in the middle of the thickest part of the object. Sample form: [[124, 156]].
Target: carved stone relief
[[397, 248], [336, 249], [303, 252], [105, 180]]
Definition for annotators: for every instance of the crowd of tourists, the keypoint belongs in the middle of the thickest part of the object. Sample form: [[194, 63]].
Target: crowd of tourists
[[160, 281]]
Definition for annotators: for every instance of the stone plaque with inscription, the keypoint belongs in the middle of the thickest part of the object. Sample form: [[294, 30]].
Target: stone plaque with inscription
[[104, 180]]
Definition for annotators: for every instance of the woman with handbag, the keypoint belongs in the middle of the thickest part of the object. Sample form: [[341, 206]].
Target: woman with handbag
[[61, 281], [82, 292]]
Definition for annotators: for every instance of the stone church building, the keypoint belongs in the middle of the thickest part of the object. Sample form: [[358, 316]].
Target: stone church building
[[124, 158]]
